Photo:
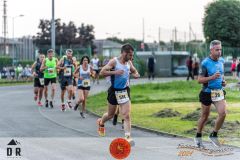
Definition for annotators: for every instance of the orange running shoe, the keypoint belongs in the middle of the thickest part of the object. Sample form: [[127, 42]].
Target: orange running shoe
[[101, 128]]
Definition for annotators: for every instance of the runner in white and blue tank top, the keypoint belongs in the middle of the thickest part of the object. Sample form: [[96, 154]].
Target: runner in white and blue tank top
[[84, 72], [119, 93], [120, 82]]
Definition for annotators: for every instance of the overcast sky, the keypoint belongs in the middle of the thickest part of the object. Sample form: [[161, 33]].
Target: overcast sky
[[111, 16]]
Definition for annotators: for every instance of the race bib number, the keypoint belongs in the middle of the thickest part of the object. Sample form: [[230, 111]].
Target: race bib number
[[86, 83], [217, 95], [50, 71], [122, 96], [68, 71], [41, 81]]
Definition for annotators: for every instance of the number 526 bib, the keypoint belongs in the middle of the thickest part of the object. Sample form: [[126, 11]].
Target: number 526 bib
[[217, 95], [122, 96]]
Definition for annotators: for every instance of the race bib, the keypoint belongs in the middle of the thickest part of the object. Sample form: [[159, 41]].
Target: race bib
[[217, 95], [50, 71], [122, 96], [68, 71], [86, 83], [41, 80]]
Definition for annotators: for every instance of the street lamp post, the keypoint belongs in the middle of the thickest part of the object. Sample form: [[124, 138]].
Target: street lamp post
[[53, 26], [13, 19]]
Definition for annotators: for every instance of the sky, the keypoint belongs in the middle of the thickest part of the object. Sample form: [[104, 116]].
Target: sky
[[121, 18]]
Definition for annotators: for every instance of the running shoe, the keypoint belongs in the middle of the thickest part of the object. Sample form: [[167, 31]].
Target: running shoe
[[76, 107], [46, 104], [101, 128], [35, 98], [69, 105], [198, 142], [40, 104], [51, 104], [130, 140], [82, 115], [63, 107], [215, 141]]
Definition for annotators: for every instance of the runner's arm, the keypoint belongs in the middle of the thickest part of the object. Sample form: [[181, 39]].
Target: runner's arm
[[59, 63], [92, 72], [43, 67], [75, 73], [33, 66], [106, 70], [134, 71], [202, 77]]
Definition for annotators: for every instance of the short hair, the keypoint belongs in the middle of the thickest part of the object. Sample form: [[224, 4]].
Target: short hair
[[214, 43], [69, 50], [127, 48], [50, 51]]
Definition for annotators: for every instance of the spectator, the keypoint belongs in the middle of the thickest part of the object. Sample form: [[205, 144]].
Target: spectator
[[195, 68], [151, 67], [189, 64], [12, 73], [19, 70], [238, 70], [4, 73], [233, 68]]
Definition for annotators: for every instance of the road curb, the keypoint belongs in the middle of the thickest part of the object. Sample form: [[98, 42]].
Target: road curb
[[146, 129]]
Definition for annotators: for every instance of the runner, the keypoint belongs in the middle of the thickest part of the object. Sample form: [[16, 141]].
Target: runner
[[38, 79], [84, 71], [66, 71], [212, 78], [95, 65], [49, 66], [75, 78], [119, 69]]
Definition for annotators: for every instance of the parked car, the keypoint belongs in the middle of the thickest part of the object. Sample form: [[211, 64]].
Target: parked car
[[227, 67], [180, 71]]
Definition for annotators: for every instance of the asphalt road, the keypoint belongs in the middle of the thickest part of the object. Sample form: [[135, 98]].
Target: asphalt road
[[45, 133]]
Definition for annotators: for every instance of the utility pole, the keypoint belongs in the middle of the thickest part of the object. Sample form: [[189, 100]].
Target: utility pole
[[185, 41], [190, 30], [5, 26], [159, 38], [143, 29], [175, 34], [53, 27]]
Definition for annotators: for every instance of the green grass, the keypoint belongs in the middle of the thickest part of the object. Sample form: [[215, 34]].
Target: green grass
[[4, 82], [180, 96]]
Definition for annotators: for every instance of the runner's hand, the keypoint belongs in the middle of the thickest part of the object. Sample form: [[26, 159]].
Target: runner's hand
[[119, 72], [136, 76], [81, 78], [216, 75], [224, 83], [35, 74]]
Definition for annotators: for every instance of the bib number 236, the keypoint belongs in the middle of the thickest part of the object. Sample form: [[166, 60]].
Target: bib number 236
[[122, 96]]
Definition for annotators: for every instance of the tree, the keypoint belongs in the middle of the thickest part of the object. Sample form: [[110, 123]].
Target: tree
[[222, 21], [66, 34], [86, 35]]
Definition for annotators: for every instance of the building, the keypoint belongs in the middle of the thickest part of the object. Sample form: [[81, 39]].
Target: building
[[19, 48], [166, 61], [107, 48]]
